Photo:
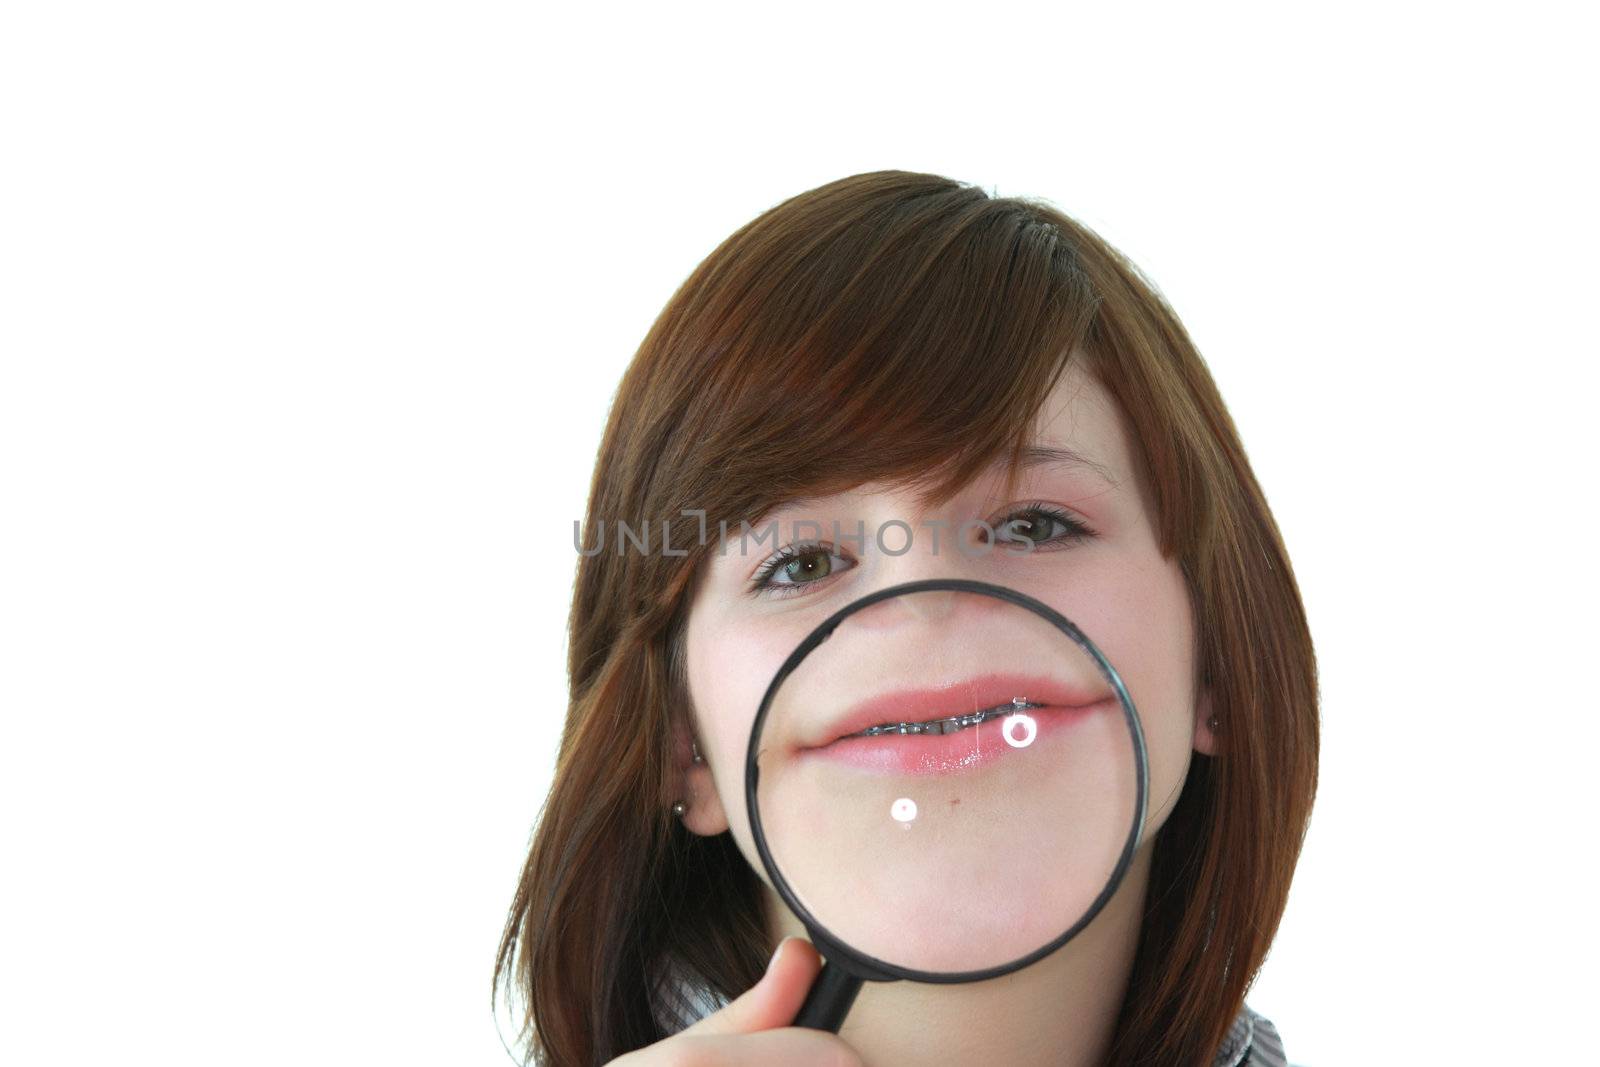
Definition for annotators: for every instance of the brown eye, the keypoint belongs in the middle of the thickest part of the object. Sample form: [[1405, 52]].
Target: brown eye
[[809, 567], [1043, 526], [796, 567], [1032, 528]]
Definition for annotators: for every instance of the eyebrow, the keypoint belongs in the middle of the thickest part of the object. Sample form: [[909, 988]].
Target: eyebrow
[[1032, 456], [1056, 456]]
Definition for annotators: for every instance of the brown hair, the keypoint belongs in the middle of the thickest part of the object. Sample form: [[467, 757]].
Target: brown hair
[[906, 328]]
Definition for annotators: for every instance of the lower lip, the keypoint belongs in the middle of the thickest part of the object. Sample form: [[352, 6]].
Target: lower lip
[[964, 750]]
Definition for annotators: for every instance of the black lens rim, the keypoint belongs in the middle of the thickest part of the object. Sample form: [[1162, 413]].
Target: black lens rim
[[839, 952]]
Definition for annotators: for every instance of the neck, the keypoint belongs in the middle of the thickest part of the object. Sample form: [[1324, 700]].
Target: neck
[[1059, 1011]]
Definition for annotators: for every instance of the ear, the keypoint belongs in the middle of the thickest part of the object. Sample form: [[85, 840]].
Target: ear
[[696, 786], [1205, 739]]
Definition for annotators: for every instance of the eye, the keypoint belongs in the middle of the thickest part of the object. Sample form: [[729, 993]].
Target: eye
[[1045, 526], [794, 567]]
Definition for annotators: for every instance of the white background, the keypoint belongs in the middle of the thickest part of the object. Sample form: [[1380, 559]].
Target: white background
[[310, 314]]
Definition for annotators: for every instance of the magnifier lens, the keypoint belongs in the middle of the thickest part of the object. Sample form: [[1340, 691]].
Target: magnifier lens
[[948, 782]]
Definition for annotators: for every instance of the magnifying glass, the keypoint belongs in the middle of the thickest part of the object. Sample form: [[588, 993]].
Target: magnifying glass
[[946, 781]]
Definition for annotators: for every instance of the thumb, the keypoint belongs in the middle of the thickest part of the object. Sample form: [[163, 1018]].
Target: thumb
[[772, 1002]]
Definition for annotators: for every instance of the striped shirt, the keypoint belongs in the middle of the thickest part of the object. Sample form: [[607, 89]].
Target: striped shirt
[[1252, 1040]]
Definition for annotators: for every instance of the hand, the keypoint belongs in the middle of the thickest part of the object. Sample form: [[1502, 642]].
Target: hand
[[754, 1027]]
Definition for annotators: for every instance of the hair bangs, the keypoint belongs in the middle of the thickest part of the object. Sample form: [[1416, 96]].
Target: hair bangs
[[914, 352]]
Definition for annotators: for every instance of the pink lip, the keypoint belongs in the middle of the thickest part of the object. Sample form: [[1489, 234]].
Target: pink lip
[[1063, 705]]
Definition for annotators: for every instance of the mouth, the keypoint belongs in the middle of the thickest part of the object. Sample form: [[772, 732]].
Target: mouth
[[955, 726], [953, 707], [951, 725]]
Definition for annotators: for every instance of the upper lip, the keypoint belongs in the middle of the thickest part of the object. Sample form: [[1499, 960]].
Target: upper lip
[[950, 699]]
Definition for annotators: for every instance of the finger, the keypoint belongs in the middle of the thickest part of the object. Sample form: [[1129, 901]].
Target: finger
[[774, 1000], [783, 1047]]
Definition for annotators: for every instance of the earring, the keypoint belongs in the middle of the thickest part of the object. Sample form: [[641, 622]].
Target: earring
[[1212, 722], [694, 746], [679, 809]]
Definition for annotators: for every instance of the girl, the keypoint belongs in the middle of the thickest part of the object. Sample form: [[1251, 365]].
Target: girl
[[897, 346]]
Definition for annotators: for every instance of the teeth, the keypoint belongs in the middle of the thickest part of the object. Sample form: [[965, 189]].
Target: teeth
[[946, 726]]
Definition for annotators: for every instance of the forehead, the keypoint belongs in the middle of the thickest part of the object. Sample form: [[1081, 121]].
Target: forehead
[[1081, 415]]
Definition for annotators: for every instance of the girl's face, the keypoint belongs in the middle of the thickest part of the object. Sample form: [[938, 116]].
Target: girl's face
[[1094, 559]]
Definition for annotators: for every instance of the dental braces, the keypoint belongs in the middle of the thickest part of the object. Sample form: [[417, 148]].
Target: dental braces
[[950, 725]]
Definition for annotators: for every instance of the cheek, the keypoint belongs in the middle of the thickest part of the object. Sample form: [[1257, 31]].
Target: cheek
[[729, 669], [1139, 616], [1160, 678]]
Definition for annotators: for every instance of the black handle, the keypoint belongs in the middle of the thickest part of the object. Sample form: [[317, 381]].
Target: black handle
[[829, 1000]]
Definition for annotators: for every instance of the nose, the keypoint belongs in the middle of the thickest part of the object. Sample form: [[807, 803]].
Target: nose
[[934, 605], [931, 606], [934, 554], [928, 608]]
